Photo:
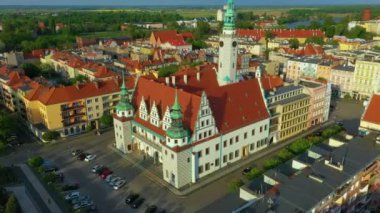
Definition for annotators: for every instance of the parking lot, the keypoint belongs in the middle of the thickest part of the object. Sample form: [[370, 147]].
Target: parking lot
[[109, 200]]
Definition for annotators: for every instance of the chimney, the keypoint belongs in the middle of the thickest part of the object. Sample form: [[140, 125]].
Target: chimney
[[198, 76], [96, 84], [173, 80], [185, 79], [167, 81]]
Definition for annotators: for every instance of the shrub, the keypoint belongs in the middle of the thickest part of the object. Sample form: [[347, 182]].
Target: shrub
[[234, 185], [50, 136], [49, 177], [254, 173], [12, 205], [284, 155], [106, 120], [3, 147], [299, 146], [88, 128], [6, 176], [271, 163], [35, 161], [314, 139], [331, 131]]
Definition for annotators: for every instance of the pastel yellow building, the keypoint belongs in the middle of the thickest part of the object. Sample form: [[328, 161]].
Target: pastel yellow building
[[349, 45], [366, 79], [69, 110]]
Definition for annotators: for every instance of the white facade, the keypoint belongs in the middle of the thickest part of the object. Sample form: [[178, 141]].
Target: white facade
[[227, 57]]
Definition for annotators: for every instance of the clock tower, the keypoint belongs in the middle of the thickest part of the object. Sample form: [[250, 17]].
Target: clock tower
[[228, 48]]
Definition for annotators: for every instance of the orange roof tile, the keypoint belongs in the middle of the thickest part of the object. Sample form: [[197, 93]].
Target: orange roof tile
[[372, 113]]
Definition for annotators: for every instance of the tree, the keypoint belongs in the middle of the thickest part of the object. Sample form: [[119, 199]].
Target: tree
[[271, 163], [31, 70], [2, 46], [284, 155], [167, 71], [203, 28], [3, 147], [294, 43], [12, 205], [35, 161], [234, 185], [7, 125], [50, 135], [254, 173], [268, 36], [299, 146], [47, 71], [315, 40], [172, 25], [106, 120]]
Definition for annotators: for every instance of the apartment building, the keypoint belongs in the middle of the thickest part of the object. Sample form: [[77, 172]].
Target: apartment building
[[320, 98], [330, 177], [370, 120], [302, 67], [342, 80], [13, 86], [366, 79], [70, 109], [289, 109]]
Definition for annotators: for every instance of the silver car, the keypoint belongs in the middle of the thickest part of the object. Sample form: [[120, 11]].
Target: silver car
[[114, 180], [119, 184]]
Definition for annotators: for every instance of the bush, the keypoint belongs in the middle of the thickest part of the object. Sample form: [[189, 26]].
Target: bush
[[106, 120], [299, 146], [88, 128], [235, 185], [284, 155], [49, 177], [3, 147], [167, 71], [315, 139], [12, 205], [271, 163], [6, 176], [50, 136], [254, 173], [332, 131], [35, 161]]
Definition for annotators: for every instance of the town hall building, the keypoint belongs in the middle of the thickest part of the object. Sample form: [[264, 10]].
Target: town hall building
[[197, 121]]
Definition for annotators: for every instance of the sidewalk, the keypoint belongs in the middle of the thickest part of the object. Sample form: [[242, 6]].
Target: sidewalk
[[23, 198], [47, 199], [222, 172]]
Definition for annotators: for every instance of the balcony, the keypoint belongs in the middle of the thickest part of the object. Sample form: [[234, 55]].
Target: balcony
[[73, 115], [70, 122], [72, 107]]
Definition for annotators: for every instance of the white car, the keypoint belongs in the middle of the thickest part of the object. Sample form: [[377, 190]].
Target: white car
[[72, 195], [114, 180], [119, 184], [90, 158], [109, 178]]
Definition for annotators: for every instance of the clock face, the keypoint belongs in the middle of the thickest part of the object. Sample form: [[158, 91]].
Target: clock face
[[234, 44], [221, 43]]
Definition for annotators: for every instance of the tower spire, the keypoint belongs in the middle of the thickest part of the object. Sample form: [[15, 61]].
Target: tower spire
[[176, 129], [124, 104], [229, 17]]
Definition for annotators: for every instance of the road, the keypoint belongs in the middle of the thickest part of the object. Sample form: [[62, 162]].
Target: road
[[212, 198]]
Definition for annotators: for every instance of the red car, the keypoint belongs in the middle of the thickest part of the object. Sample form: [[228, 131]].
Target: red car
[[105, 173]]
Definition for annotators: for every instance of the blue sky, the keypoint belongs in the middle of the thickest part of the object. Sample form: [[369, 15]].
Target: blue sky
[[182, 2]]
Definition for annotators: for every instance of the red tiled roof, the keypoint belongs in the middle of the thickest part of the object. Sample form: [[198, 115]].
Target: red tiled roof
[[233, 105], [308, 50], [372, 113], [56, 95], [187, 35], [280, 33], [103, 72], [270, 82], [163, 96]]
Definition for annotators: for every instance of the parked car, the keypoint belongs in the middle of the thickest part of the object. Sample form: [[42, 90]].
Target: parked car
[[119, 184], [76, 152], [114, 180], [151, 209], [51, 169], [96, 168], [91, 208], [72, 195], [131, 198], [160, 211], [90, 158], [109, 178], [69, 187], [340, 123], [83, 204], [105, 173], [137, 203], [246, 170], [80, 199], [82, 156]]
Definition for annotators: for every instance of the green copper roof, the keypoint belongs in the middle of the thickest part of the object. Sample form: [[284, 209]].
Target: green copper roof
[[124, 104], [229, 16], [176, 129]]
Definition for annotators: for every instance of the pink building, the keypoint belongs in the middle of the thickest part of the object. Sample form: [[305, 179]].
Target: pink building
[[320, 95]]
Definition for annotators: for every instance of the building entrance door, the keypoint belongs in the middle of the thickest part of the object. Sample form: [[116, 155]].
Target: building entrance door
[[245, 151]]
